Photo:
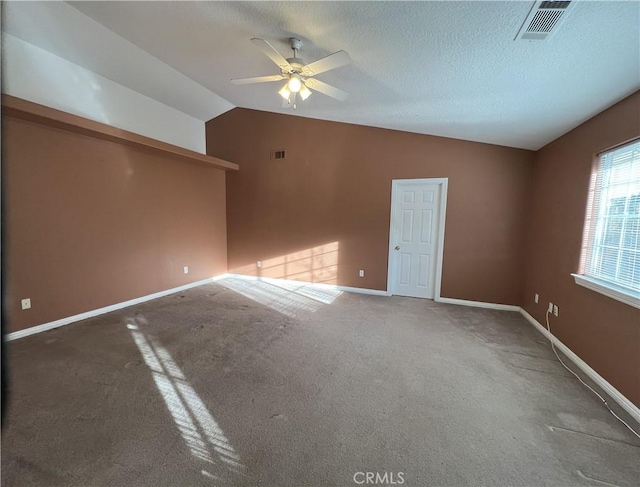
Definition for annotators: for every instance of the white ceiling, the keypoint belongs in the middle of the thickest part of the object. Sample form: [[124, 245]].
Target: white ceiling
[[443, 68], [64, 31]]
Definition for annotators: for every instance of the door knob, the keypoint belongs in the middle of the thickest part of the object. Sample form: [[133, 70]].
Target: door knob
[[397, 247]]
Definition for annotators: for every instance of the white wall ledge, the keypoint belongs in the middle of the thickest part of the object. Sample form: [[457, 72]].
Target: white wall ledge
[[618, 293]]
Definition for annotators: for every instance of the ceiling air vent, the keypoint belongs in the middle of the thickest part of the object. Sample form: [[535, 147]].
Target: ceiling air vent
[[543, 20], [277, 154]]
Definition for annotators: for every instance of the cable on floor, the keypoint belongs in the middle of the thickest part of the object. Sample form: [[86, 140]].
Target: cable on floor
[[546, 316]]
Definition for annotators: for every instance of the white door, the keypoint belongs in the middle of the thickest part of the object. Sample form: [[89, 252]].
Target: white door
[[414, 237]]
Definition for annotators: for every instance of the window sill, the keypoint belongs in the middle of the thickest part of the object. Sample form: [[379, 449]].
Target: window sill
[[619, 294]]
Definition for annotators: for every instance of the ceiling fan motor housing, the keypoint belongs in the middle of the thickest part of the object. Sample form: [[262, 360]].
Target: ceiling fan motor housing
[[296, 63], [295, 43]]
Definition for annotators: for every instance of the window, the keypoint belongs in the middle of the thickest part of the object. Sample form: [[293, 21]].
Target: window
[[610, 260]]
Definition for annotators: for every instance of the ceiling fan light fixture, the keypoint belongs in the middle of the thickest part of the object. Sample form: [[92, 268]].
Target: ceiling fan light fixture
[[295, 83], [297, 74], [305, 92], [285, 92]]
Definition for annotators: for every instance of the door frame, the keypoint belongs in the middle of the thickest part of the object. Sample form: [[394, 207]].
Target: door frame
[[442, 214]]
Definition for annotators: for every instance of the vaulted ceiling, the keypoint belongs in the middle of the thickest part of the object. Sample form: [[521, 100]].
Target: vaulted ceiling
[[444, 68]]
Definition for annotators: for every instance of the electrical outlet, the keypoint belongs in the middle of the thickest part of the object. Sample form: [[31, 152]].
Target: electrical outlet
[[361, 273], [555, 310], [536, 298], [259, 264], [26, 303], [550, 307], [186, 269]]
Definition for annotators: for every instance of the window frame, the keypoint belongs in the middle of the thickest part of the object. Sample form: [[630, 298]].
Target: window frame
[[621, 294], [618, 292]]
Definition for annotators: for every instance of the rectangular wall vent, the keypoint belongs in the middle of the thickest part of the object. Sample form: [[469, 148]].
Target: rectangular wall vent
[[277, 154], [543, 20]]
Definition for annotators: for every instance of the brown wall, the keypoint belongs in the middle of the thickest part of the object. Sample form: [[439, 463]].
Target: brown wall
[[89, 223], [605, 333], [335, 186]]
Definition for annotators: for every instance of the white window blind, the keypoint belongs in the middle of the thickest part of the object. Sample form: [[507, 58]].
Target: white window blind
[[612, 230]]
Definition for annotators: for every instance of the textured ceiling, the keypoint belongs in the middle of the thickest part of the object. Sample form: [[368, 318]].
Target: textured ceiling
[[68, 33], [441, 68]]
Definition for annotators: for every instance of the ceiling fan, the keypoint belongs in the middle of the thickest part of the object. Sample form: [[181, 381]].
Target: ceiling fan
[[299, 76]]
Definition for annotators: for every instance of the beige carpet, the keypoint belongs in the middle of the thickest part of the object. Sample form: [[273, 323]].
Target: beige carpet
[[239, 383]]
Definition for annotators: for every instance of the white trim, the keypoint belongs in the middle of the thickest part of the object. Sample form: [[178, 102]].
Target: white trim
[[478, 304], [318, 285], [107, 309], [442, 220], [220, 277], [626, 297], [442, 216], [611, 391]]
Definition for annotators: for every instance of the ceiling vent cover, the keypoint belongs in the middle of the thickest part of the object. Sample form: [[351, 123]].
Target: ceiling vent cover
[[543, 20]]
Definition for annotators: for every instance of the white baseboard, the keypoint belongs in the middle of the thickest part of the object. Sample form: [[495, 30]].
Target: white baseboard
[[96, 312], [107, 309], [318, 285], [219, 277], [478, 304], [611, 391]]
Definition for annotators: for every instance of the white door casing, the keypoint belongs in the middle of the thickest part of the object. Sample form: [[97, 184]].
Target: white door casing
[[416, 237]]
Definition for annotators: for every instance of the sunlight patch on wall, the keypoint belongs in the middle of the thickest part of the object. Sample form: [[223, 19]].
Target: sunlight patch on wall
[[288, 298], [315, 264], [200, 431]]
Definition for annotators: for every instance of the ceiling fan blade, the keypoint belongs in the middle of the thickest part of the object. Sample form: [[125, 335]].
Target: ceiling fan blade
[[257, 79], [332, 61], [274, 55], [326, 89]]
